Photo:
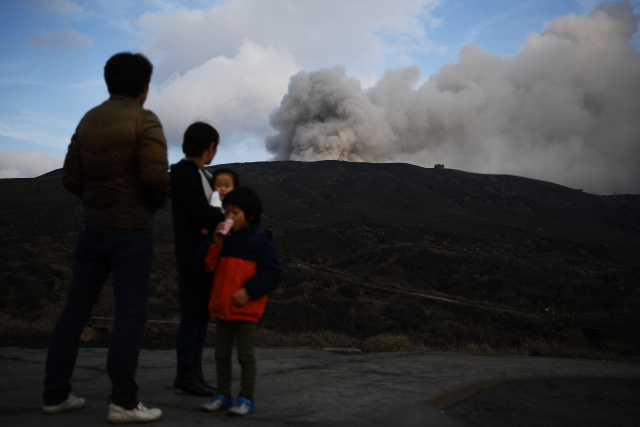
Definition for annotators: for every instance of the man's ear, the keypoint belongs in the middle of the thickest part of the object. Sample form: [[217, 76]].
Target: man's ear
[[143, 95]]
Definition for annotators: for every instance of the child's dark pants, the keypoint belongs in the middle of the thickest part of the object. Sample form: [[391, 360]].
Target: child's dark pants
[[245, 333]]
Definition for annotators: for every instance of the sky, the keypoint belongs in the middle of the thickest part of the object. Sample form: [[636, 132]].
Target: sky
[[546, 89]]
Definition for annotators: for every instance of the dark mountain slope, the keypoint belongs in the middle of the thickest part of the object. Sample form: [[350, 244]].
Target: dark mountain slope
[[352, 236]]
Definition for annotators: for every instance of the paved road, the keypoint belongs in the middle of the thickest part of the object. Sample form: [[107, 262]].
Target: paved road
[[296, 387]]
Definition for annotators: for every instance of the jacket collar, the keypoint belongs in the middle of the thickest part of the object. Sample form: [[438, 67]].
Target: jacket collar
[[248, 230], [125, 98]]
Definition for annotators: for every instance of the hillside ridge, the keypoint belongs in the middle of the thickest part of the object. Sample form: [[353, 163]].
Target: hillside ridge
[[511, 243]]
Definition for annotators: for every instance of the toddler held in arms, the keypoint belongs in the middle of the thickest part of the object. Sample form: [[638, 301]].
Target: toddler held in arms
[[224, 181]]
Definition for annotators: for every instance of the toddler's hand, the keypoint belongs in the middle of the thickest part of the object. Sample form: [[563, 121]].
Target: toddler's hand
[[240, 298]]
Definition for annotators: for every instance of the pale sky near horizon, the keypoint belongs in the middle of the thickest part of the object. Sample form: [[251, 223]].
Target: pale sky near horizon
[[230, 62]]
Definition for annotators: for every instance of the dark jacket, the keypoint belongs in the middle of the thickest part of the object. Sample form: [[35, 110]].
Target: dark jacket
[[247, 258], [191, 213], [117, 164]]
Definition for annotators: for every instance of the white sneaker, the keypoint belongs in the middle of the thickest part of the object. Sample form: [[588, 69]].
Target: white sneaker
[[242, 407], [218, 403], [70, 404], [139, 414]]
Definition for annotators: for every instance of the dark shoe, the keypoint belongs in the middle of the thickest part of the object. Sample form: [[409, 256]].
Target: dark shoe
[[197, 371], [187, 383]]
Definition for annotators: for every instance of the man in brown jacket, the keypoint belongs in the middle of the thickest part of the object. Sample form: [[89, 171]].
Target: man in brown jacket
[[117, 164]]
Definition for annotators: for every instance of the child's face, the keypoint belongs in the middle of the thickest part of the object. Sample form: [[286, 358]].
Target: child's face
[[223, 184], [237, 215]]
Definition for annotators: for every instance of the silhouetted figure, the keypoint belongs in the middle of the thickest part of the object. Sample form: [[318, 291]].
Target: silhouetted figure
[[117, 164]]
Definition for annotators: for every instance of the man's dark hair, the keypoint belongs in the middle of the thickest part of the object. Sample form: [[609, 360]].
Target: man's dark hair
[[248, 201], [127, 74], [198, 137], [225, 171]]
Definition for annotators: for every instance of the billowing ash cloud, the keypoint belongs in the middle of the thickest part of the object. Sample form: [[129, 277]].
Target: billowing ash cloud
[[566, 109]]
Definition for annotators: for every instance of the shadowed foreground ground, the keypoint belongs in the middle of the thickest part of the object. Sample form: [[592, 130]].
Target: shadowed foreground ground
[[309, 387]]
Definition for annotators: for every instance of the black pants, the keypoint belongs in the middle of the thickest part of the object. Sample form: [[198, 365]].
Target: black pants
[[190, 339], [128, 254], [244, 334]]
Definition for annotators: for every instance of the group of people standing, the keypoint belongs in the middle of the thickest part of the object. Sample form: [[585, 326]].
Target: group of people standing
[[117, 164]]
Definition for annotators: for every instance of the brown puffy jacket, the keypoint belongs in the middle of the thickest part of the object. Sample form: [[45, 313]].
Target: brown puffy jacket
[[117, 164]]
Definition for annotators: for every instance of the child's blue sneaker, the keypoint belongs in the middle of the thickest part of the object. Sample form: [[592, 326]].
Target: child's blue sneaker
[[218, 403], [242, 407]]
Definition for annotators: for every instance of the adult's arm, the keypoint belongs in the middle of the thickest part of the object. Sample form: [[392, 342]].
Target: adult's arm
[[154, 165], [189, 194], [72, 174]]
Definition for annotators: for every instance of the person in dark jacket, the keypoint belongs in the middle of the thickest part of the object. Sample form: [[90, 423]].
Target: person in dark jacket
[[246, 270], [193, 219], [117, 165]]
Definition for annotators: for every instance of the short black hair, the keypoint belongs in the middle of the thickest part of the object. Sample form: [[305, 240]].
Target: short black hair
[[225, 171], [127, 74], [198, 137], [248, 201]]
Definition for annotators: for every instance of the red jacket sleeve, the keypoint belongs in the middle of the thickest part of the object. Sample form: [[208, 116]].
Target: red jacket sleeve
[[212, 257]]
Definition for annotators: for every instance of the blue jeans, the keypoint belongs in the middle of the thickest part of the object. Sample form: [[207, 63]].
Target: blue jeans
[[100, 251]]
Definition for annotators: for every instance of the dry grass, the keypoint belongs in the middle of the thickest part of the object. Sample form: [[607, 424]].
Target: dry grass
[[15, 327], [390, 343], [319, 339], [309, 310]]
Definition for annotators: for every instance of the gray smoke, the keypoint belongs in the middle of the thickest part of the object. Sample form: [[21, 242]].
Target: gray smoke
[[566, 109]]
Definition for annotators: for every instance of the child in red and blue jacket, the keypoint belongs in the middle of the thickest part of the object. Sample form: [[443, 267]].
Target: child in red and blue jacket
[[246, 270]]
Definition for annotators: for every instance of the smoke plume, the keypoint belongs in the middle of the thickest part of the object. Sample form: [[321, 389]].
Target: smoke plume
[[566, 109]]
